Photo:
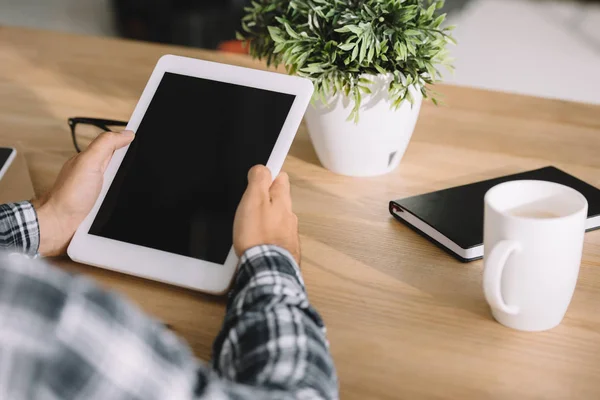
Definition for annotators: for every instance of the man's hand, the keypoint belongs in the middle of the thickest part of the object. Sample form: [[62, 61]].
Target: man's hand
[[63, 208], [265, 215]]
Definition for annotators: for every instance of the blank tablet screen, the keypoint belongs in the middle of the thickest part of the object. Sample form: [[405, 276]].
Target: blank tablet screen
[[183, 176]]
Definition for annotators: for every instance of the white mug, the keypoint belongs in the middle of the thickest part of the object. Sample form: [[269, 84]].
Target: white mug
[[533, 241]]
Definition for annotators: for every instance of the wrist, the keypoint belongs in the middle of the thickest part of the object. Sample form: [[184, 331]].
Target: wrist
[[51, 243]]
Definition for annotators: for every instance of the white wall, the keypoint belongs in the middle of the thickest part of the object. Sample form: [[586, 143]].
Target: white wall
[[541, 48]]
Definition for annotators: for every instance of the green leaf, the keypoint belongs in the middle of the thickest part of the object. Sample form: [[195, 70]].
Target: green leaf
[[325, 87], [363, 50], [438, 21], [290, 31], [365, 89], [320, 13], [355, 29], [310, 21], [337, 84], [403, 78], [379, 69], [412, 32], [369, 11], [403, 51], [407, 16], [370, 54], [349, 28], [311, 69], [275, 34], [410, 97], [297, 49], [431, 10], [239, 36], [431, 70], [322, 97], [355, 52], [279, 47], [347, 46]]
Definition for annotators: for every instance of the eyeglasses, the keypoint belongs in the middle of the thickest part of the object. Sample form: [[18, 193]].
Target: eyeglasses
[[85, 130]]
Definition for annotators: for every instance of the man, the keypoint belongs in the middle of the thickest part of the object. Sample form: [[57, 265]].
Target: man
[[63, 337]]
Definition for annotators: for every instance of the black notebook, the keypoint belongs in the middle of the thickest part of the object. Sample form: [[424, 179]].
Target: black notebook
[[453, 218]]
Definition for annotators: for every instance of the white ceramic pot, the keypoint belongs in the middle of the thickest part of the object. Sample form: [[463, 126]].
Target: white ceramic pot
[[372, 147]]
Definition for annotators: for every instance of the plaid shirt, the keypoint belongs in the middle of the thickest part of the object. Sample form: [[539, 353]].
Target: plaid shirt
[[63, 337]]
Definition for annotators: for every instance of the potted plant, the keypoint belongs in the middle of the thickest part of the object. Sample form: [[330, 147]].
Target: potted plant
[[370, 62]]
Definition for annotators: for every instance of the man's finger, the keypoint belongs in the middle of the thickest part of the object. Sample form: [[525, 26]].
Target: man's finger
[[259, 181], [280, 191], [257, 191], [103, 147]]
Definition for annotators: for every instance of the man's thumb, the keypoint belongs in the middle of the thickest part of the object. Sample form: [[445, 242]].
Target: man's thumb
[[105, 145], [259, 182]]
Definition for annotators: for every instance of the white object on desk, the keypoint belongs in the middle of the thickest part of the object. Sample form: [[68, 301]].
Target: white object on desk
[[189, 268], [533, 242]]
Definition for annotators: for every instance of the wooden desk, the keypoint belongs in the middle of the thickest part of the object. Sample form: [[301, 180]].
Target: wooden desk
[[405, 320]]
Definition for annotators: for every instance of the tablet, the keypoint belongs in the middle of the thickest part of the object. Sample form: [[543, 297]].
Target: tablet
[[168, 201]]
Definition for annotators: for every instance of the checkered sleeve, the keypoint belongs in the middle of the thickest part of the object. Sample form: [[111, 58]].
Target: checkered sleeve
[[63, 337], [272, 337], [19, 229]]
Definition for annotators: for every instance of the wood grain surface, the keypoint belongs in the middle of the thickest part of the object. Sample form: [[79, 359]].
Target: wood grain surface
[[405, 320]]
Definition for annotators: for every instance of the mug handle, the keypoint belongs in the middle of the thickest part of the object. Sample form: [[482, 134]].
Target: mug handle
[[492, 275]]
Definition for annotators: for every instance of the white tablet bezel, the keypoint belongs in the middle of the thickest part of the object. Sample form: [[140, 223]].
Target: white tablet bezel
[[168, 267]]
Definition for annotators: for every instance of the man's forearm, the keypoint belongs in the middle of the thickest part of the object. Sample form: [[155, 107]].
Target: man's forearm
[[76, 340], [272, 340], [272, 337], [19, 229]]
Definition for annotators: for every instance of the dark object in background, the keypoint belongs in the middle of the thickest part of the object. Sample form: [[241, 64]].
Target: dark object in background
[[84, 130], [198, 23]]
